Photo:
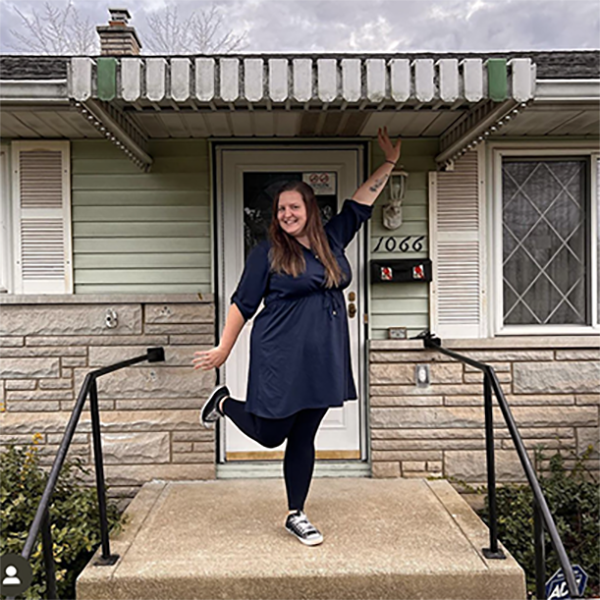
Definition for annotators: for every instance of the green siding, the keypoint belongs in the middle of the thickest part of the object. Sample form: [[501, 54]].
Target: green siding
[[137, 232], [402, 304]]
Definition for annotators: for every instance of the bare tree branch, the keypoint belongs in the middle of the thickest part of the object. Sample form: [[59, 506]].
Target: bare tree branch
[[206, 28], [55, 31], [62, 31], [198, 34]]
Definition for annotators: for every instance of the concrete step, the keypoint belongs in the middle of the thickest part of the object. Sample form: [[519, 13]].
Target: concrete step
[[384, 538]]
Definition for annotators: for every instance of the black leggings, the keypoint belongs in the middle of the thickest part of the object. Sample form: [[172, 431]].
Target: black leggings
[[300, 430]]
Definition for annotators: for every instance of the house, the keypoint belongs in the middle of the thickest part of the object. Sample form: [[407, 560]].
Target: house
[[133, 188]]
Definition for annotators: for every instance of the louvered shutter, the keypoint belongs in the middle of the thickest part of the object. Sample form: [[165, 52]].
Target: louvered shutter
[[4, 222], [456, 240], [41, 184]]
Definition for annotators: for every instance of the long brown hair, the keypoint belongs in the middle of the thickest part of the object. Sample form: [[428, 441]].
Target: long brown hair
[[286, 252]]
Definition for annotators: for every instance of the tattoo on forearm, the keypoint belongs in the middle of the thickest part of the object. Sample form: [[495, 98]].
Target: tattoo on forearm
[[378, 183]]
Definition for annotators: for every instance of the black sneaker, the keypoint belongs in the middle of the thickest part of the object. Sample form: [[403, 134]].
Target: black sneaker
[[210, 412], [298, 524]]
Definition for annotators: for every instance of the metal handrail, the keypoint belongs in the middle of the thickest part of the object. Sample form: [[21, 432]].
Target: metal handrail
[[542, 516], [41, 521]]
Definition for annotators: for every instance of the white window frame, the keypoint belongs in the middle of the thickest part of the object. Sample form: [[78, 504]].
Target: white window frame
[[6, 244], [497, 151]]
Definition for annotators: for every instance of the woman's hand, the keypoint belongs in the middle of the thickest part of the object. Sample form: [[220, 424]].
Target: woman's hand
[[210, 359], [391, 152]]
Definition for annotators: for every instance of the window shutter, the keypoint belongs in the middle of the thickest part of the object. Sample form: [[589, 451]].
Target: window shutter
[[5, 248], [42, 209], [456, 238]]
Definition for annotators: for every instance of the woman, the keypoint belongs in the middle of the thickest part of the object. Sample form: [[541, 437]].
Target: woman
[[299, 348]]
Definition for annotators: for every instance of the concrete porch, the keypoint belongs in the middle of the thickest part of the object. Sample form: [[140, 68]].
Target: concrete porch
[[394, 538]]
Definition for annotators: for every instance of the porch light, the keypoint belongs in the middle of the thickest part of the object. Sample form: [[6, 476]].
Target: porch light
[[392, 211]]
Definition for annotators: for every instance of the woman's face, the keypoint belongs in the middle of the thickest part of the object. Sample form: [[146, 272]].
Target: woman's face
[[291, 213]]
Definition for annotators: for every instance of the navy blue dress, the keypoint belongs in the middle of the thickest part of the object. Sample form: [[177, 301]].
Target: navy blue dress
[[300, 344]]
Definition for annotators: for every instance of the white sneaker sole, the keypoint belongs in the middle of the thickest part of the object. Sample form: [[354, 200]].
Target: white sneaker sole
[[313, 542], [209, 424]]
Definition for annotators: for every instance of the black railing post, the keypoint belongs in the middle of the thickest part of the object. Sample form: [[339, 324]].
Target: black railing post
[[100, 487], [542, 511], [48, 556], [540, 552], [41, 520], [492, 551]]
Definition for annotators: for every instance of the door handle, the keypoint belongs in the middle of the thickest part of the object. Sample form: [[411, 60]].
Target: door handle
[[351, 306]]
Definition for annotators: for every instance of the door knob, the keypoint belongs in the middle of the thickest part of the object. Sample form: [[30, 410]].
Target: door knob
[[352, 310]]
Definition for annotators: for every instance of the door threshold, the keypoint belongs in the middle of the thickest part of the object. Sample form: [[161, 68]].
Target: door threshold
[[274, 469]]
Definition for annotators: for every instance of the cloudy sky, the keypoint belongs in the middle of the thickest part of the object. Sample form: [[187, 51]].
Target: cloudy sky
[[352, 25]]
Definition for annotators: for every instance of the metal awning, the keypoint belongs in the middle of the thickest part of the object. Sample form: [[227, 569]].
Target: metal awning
[[246, 84], [131, 100]]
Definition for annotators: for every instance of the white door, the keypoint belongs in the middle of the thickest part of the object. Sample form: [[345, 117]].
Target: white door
[[247, 179]]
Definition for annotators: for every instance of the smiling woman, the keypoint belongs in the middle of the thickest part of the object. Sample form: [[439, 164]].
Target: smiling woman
[[298, 218], [291, 214], [300, 363]]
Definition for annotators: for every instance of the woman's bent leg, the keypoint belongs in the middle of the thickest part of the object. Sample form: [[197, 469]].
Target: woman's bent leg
[[267, 432], [299, 460]]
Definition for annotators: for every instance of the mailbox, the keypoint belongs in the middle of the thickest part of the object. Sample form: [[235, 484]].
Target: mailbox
[[408, 270]]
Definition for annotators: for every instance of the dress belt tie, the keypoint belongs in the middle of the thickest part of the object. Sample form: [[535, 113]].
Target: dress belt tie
[[333, 304]]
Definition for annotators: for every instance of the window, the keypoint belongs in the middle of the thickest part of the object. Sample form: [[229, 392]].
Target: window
[[544, 235], [544, 223]]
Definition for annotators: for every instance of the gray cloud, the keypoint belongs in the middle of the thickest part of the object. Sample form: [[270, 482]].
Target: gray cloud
[[369, 25]]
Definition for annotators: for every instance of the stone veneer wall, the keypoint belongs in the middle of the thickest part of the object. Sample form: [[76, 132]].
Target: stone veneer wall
[[149, 412], [552, 385]]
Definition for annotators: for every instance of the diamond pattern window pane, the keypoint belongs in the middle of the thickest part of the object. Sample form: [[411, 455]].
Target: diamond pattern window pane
[[544, 241]]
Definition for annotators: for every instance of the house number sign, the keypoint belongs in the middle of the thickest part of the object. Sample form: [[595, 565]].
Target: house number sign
[[410, 243]]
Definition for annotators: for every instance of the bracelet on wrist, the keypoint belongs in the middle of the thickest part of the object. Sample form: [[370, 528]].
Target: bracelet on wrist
[[391, 162]]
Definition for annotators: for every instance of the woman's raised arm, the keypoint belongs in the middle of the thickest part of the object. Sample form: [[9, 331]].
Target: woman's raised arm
[[368, 192]]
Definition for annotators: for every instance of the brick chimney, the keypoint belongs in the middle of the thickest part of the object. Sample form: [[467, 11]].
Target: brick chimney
[[116, 38]]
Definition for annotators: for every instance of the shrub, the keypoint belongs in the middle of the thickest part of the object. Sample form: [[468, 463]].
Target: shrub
[[575, 507], [74, 516]]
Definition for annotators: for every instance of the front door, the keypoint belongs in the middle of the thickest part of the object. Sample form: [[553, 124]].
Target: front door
[[248, 177]]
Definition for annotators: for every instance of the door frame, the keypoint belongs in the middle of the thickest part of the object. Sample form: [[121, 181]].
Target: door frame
[[361, 149]]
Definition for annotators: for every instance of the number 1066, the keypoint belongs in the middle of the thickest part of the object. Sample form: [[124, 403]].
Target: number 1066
[[407, 244]]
